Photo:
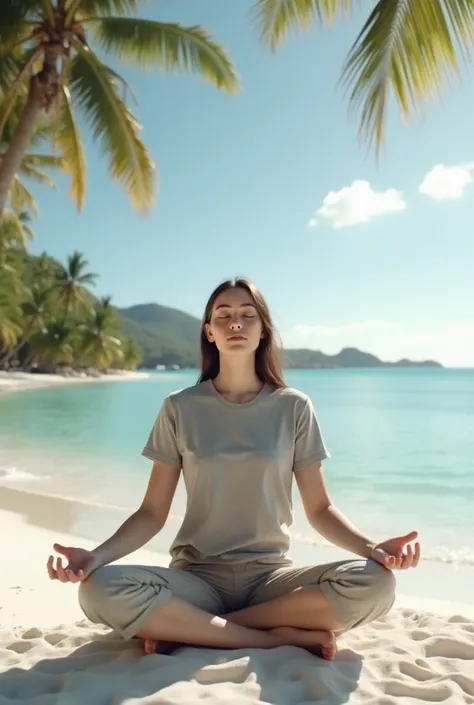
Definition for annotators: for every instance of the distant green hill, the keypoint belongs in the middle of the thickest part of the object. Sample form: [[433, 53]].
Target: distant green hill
[[171, 337], [347, 358], [166, 336]]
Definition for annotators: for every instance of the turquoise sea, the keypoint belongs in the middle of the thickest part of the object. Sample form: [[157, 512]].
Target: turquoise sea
[[401, 440]]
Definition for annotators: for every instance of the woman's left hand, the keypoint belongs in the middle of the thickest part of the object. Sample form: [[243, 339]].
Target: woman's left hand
[[398, 553]]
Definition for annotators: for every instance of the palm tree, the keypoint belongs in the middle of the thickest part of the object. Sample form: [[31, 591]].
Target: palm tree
[[408, 48], [105, 305], [61, 70], [44, 270], [55, 344], [35, 311], [131, 354], [10, 317], [70, 283], [100, 344]]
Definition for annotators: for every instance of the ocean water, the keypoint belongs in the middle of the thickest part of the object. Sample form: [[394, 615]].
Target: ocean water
[[401, 441]]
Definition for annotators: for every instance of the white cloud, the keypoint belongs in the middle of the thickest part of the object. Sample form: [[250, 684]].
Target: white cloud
[[452, 344], [357, 203], [446, 181]]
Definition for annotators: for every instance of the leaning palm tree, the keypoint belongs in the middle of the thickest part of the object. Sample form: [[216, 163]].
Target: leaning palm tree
[[70, 283], [61, 70], [406, 48]]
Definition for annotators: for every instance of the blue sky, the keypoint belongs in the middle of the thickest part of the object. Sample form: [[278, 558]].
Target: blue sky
[[388, 267]]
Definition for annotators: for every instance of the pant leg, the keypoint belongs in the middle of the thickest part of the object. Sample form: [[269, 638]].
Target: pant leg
[[358, 590], [124, 597]]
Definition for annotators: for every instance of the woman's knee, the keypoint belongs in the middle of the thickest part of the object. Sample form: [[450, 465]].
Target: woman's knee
[[96, 590], [382, 581], [380, 596], [370, 589]]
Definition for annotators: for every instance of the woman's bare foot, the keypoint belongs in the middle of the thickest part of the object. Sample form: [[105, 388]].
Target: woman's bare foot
[[153, 646], [320, 642]]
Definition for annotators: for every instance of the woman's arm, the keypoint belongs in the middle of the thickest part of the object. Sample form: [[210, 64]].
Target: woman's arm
[[325, 518], [147, 521]]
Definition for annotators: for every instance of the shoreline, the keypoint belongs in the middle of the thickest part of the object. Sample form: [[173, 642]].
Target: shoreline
[[441, 586], [11, 382], [421, 651]]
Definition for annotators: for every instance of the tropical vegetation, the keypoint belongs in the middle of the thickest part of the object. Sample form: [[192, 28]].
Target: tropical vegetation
[[51, 65], [51, 321], [407, 49]]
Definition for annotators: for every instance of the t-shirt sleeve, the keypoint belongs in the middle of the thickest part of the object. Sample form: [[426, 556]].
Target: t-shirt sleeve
[[309, 443], [162, 442]]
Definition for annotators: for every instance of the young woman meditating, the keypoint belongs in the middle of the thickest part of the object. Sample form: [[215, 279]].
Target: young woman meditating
[[239, 436]]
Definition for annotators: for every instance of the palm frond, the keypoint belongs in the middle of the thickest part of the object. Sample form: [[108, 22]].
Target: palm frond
[[114, 126], [19, 83], [95, 8], [43, 132], [173, 47], [409, 48], [15, 19], [37, 175], [13, 228], [44, 161], [49, 10], [276, 18], [21, 198], [10, 66], [70, 143]]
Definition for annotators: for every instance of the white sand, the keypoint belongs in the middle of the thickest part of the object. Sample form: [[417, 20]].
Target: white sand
[[49, 654], [19, 381]]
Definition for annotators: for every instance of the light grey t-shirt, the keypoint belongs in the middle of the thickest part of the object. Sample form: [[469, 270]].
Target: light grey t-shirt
[[238, 462]]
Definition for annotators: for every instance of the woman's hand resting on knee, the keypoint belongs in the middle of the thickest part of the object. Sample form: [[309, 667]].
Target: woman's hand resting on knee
[[81, 564], [397, 553]]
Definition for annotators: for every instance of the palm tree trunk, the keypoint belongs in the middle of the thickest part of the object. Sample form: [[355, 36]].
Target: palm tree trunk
[[11, 352], [21, 138], [16, 348]]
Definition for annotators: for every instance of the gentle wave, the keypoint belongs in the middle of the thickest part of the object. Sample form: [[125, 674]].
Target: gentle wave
[[440, 554], [14, 475]]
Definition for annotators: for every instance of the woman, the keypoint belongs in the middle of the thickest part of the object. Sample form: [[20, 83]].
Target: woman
[[239, 436]]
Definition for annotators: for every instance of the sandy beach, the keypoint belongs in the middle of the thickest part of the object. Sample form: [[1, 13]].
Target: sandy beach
[[24, 381], [49, 653]]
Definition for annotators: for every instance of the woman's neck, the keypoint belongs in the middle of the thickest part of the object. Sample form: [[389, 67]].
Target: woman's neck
[[237, 377]]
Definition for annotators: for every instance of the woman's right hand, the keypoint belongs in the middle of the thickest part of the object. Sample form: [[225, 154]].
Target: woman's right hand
[[80, 564]]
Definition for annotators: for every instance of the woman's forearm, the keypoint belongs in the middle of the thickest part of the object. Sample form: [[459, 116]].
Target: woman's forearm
[[334, 526], [134, 533]]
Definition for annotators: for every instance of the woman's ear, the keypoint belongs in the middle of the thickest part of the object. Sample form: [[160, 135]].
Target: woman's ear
[[208, 332]]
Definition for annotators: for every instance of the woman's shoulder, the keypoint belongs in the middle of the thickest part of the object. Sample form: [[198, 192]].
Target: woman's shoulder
[[187, 394], [291, 395]]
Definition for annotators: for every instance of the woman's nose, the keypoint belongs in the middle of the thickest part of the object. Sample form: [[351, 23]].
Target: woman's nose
[[235, 325]]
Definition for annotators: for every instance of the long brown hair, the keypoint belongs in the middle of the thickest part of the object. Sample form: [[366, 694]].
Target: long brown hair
[[268, 356]]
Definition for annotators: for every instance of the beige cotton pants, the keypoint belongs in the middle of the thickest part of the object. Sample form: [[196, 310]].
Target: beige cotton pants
[[125, 597]]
